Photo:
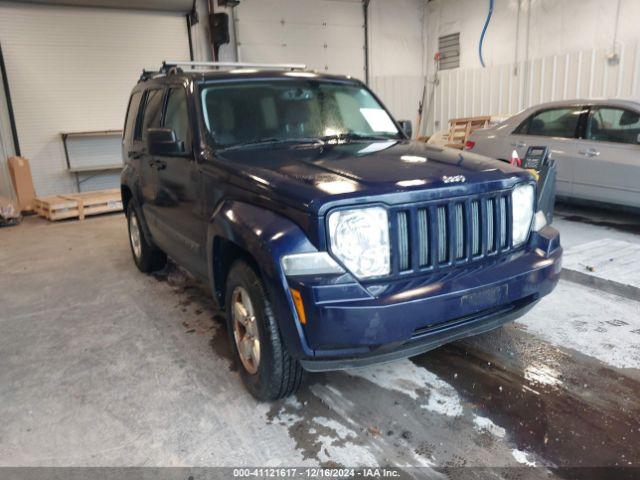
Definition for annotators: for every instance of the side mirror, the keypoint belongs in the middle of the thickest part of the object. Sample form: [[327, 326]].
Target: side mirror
[[162, 141], [407, 128], [638, 139]]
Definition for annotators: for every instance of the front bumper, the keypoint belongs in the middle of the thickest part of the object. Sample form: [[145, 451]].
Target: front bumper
[[436, 337], [349, 325]]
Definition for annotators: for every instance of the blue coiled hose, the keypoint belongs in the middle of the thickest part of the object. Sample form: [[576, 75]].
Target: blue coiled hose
[[484, 30]]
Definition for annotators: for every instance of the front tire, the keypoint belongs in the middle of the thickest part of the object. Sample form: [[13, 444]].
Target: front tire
[[266, 368], [147, 257]]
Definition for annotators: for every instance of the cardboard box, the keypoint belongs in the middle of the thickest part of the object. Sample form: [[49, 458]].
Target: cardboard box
[[20, 173]]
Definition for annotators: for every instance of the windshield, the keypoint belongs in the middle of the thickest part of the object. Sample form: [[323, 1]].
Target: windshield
[[258, 111]]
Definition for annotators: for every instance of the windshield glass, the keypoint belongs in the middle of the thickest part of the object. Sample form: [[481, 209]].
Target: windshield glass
[[293, 109]]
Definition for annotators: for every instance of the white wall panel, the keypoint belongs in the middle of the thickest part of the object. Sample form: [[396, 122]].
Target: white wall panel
[[400, 94], [326, 35], [72, 69], [498, 91]]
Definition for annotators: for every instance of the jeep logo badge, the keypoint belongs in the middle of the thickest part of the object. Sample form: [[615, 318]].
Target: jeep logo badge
[[454, 179]]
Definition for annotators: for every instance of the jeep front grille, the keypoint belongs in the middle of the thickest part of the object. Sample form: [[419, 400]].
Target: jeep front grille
[[444, 234]]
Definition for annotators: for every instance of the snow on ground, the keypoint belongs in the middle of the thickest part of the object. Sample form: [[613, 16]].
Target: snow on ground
[[406, 377], [521, 457], [542, 374], [484, 424], [598, 324]]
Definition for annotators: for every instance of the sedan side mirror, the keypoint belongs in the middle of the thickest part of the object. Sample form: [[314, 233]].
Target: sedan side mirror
[[162, 141], [407, 128]]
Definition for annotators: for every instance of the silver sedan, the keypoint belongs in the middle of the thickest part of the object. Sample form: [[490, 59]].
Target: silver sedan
[[596, 145]]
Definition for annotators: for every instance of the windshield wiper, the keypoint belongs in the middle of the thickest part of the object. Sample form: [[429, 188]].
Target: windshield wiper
[[346, 136], [273, 141]]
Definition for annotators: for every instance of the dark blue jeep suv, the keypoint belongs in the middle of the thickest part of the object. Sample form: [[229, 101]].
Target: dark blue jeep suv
[[329, 238]]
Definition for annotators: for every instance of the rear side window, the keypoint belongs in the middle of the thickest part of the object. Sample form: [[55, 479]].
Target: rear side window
[[151, 113], [555, 122], [609, 124], [177, 116], [132, 115]]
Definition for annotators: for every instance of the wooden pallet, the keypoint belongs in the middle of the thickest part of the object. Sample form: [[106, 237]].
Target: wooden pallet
[[461, 128], [79, 205]]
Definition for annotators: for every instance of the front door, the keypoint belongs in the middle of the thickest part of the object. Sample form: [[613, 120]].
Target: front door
[[179, 200], [558, 129], [608, 167]]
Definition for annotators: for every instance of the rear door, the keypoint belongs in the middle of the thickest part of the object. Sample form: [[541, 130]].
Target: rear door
[[151, 116], [608, 167], [556, 128]]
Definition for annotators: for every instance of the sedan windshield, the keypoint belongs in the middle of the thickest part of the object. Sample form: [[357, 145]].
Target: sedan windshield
[[272, 111]]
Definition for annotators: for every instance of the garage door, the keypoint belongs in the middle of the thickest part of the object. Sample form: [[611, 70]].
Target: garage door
[[71, 69], [327, 35]]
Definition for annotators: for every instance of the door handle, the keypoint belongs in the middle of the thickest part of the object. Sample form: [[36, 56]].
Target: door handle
[[518, 144], [589, 152]]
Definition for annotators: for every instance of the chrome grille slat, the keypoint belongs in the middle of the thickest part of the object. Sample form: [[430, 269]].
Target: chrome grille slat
[[503, 222], [459, 227], [475, 227], [491, 245], [423, 238], [403, 242], [443, 242]]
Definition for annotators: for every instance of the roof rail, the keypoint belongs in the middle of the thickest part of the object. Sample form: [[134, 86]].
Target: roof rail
[[147, 74], [167, 66]]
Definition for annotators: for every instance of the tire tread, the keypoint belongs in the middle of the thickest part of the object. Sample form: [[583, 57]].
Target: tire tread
[[286, 370]]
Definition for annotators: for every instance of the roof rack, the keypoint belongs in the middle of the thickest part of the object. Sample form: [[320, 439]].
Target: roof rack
[[147, 74], [168, 66]]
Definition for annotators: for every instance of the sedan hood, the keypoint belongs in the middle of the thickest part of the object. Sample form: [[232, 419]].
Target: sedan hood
[[315, 176]]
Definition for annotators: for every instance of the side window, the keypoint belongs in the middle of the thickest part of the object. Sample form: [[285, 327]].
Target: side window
[[555, 122], [151, 113], [609, 124], [177, 116], [132, 115]]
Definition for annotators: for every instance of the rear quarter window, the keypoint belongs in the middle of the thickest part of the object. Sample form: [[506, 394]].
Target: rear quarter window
[[150, 113], [132, 115]]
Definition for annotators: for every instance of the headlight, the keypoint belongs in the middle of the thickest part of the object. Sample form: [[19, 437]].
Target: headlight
[[360, 240], [522, 199]]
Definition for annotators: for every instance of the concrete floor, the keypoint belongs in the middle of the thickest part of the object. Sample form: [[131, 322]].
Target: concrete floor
[[101, 365]]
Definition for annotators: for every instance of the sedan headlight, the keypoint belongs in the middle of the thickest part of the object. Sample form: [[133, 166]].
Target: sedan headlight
[[522, 199], [359, 238]]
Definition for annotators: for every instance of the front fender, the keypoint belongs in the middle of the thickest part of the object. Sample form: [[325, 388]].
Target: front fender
[[266, 236]]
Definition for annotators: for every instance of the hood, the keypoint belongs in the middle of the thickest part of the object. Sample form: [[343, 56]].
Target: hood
[[318, 176]]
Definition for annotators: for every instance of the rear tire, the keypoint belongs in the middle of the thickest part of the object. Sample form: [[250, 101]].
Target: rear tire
[[147, 257], [266, 368]]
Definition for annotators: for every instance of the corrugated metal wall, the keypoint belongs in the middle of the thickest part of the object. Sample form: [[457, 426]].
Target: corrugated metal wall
[[507, 89], [400, 94]]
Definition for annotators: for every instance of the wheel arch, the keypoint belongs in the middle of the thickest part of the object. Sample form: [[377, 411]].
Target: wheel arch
[[261, 237]]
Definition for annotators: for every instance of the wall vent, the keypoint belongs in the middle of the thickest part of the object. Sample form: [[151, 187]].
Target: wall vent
[[449, 48]]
